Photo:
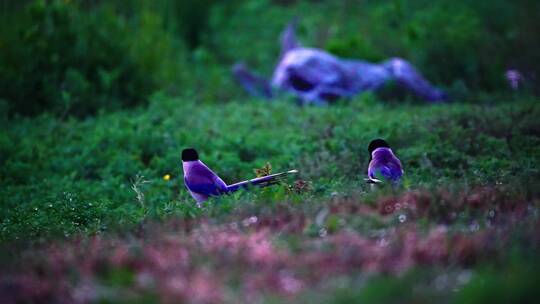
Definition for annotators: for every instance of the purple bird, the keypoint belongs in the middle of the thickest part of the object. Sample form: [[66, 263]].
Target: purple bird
[[383, 164], [203, 183], [318, 77]]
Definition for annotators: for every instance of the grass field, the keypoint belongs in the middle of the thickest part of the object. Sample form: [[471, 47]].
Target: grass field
[[87, 204], [98, 99]]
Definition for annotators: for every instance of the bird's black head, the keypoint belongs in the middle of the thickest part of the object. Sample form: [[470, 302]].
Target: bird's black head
[[377, 143], [190, 154]]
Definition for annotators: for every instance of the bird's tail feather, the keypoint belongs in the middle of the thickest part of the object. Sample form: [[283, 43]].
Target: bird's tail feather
[[371, 180], [264, 181]]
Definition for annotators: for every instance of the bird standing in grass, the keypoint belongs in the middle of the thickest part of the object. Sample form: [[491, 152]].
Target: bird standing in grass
[[203, 183], [199, 179], [383, 164]]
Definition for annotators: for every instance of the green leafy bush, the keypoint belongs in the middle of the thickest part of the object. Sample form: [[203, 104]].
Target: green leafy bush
[[64, 57]]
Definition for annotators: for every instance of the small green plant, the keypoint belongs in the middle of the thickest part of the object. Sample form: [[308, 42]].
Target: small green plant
[[136, 186]]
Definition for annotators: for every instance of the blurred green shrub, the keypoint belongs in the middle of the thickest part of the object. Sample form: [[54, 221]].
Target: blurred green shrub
[[77, 57], [68, 57], [463, 45], [455, 43], [188, 18]]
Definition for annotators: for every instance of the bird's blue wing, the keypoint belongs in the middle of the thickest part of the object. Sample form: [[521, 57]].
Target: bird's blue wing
[[200, 179], [391, 173], [388, 171], [207, 188]]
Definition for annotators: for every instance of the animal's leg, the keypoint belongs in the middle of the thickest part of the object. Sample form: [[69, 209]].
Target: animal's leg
[[251, 82], [406, 75]]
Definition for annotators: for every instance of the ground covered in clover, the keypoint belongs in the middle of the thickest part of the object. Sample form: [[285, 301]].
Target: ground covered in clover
[[93, 206], [89, 212]]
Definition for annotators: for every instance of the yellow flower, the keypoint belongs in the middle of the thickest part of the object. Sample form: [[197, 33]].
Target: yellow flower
[[166, 177]]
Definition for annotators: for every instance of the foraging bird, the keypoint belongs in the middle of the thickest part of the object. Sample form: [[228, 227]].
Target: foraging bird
[[199, 179], [383, 163], [203, 183]]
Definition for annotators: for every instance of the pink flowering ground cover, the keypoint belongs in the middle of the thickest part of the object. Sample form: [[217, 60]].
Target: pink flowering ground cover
[[288, 254]]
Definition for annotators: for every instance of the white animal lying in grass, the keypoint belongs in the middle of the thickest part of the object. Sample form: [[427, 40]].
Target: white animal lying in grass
[[317, 77]]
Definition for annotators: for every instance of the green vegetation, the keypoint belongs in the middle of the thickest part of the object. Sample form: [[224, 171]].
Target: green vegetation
[[98, 98], [70, 176], [104, 176], [76, 57]]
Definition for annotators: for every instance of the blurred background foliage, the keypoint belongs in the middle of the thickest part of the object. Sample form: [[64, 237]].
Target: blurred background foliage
[[76, 57]]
